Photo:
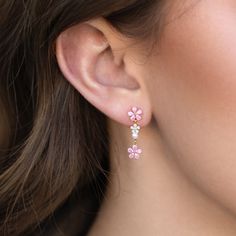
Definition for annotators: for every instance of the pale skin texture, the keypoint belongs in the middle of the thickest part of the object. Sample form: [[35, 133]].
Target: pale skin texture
[[184, 183]]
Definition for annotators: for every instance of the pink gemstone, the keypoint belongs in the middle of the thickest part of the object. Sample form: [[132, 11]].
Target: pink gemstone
[[132, 118], [138, 117], [135, 114], [130, 150], [130, 113], [139, 112], [134, 152], [131, 155], [139, 151]]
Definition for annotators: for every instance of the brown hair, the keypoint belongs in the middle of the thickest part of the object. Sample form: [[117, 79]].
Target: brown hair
[[53, 173]]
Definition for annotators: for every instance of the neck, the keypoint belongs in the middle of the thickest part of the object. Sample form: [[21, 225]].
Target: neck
[[152, 196]]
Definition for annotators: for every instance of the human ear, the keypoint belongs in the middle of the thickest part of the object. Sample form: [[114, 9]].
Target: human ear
[[94, 58]]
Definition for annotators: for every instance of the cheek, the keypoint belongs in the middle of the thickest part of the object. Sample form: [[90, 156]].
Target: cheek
[[195, 97]]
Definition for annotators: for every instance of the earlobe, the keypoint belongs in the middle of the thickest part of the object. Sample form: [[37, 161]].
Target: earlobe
[[87, 61]]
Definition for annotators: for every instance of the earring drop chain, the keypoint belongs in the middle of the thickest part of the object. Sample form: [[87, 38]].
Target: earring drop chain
[[135, 115]]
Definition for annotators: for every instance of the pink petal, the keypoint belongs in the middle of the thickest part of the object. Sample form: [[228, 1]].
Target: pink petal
[[130, 113], [138, 117], [136, 156], [135, 147], [130, 150], [133, 118], [139, 112], [131, 155], [139, 151], [134, 109]]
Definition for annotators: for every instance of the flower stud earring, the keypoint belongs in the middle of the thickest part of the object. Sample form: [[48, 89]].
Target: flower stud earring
[[135, 115]]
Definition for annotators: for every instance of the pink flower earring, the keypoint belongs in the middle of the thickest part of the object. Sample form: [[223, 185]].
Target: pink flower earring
[[135, 115]]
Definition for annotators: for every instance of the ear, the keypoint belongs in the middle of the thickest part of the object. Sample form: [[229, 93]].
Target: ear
[[95, 59]]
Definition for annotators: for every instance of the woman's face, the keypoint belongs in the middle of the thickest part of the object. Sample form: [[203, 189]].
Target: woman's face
[[192, 82]]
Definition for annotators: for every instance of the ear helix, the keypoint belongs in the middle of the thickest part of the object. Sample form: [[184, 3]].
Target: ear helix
[[135, 115]]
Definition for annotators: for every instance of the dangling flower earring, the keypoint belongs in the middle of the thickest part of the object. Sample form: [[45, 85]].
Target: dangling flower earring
[[135, 115]]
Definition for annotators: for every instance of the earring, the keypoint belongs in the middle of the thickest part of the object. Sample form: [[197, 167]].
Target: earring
[[135, 115]]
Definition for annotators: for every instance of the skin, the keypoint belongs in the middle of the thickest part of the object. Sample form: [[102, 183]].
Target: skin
[[184, 183]]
